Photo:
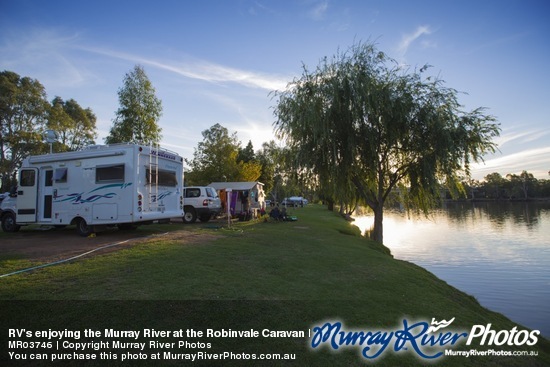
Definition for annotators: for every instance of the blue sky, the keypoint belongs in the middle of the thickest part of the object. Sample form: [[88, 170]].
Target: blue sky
[[217, 61]]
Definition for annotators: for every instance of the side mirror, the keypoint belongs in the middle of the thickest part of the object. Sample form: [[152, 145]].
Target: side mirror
[[13, 191]]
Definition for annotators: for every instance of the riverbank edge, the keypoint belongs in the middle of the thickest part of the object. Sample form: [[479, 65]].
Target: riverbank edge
[[386, 250]]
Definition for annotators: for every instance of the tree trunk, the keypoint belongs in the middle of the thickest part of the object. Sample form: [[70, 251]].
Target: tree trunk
[[330, 205], [377, 233]]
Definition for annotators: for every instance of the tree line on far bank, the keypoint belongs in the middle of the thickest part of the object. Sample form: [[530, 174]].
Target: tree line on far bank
[[494, 186]]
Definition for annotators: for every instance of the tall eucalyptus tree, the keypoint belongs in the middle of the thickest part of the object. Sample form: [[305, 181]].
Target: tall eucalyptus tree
[[137, 117]]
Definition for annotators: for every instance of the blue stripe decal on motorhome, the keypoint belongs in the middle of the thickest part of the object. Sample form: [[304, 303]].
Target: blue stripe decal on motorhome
[[82, 198], [122, 186], [161, 196]]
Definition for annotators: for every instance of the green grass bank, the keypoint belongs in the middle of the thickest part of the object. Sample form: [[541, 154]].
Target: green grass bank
[[255, 275]]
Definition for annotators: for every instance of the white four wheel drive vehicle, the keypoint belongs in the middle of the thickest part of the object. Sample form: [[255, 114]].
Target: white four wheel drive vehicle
[[102, 185], [200, 202]]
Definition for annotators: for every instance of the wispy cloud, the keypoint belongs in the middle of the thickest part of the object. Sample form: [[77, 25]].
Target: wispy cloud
[[494, 43], [408, 39], [525, 136], [319, 10], [33, 49], [204, 70], [258, 7], [536, 158]]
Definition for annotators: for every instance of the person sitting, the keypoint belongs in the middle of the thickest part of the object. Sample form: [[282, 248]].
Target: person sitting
[[275, 213], [283, 214]]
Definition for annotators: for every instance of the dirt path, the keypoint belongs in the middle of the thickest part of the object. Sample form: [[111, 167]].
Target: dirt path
[[51, 245]]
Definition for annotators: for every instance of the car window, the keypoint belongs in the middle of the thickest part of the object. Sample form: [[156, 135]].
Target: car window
[[192, 193], [211, 193]]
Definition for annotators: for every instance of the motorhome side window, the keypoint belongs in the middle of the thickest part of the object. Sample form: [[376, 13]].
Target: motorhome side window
[[48, 178], [60, 175], [27, 177], [165, 178], [113, 173]]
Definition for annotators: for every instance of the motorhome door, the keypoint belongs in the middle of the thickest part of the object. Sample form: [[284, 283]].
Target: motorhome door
[[45, 194], [27, 194]]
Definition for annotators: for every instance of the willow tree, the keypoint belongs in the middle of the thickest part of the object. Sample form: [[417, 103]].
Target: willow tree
[[367, 127], [137, 117]]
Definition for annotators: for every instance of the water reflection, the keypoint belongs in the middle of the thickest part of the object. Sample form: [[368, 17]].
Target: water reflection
[[497, 252], [498, 213]]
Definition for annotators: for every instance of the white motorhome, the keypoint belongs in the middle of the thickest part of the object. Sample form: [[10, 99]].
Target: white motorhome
[[101, 185]]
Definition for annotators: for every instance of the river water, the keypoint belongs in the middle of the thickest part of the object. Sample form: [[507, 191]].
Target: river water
[[497, 252]]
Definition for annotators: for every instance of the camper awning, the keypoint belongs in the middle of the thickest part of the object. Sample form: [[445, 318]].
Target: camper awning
[[236, 186]]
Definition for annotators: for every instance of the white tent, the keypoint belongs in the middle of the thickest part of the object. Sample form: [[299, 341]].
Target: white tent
[[245, 196]]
